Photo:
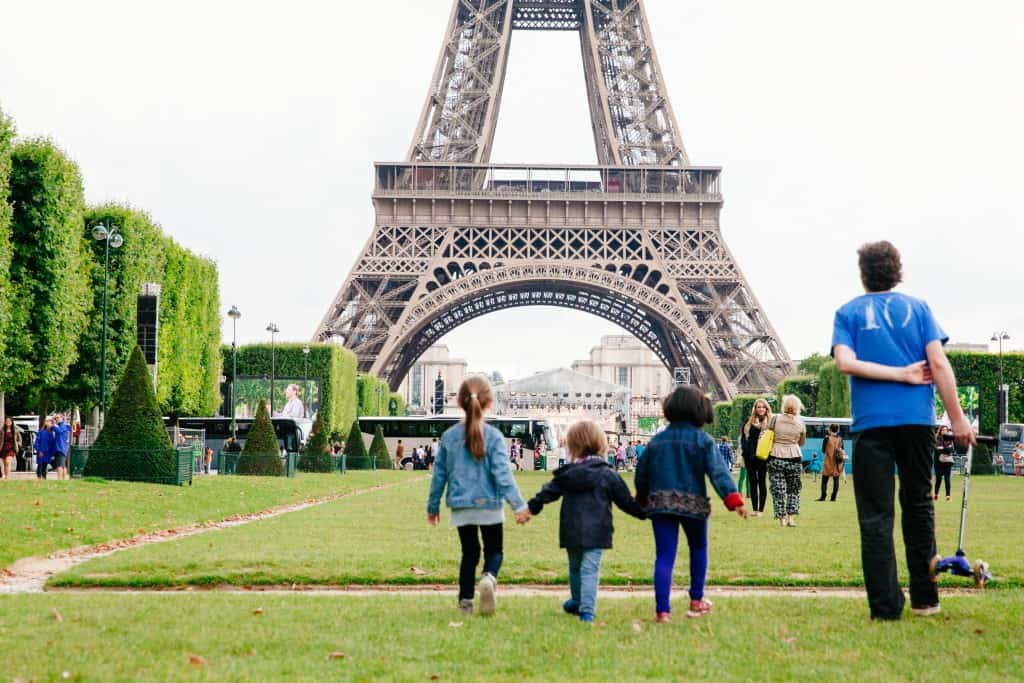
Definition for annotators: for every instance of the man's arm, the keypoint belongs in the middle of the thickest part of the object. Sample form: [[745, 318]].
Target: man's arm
[[945, 382], [915, 373]]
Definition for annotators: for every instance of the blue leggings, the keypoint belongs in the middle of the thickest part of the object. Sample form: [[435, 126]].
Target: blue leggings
[[666, 542]]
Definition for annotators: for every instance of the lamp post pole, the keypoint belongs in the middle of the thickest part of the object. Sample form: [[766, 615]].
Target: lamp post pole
[[272, 329], [1002, 394], [305, 380], [234, 314], [110, 238]]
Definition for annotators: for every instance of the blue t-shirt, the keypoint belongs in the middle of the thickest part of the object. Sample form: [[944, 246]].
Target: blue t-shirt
[[891, 329]]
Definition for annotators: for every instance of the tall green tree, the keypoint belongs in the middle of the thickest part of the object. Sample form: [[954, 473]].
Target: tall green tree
[[812, 364], [49, 273], [7, 132]]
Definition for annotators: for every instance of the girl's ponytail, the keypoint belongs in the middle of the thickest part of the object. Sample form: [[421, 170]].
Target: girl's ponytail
[[474, 398]]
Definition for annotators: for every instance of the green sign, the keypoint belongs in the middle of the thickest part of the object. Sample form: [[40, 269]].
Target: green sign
[[970, 401]]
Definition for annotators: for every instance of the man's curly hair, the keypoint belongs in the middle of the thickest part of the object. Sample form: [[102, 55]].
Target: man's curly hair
[[880, 266]]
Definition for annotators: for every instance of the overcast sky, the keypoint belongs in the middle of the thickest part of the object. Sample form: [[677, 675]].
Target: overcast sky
[[248, 130]]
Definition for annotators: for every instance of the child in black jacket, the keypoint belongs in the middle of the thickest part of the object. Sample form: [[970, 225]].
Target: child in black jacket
[[589, 486]]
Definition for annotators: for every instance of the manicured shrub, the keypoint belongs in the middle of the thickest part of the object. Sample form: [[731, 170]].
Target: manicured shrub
[[133, 443], [981, 460], [316, 457], [723, 420], [379, 450], [261, 455], [356, 457]]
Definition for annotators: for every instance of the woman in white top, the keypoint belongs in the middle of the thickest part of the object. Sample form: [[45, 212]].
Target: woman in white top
[[785, 464]]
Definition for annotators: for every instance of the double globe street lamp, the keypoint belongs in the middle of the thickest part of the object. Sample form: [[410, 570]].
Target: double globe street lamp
[[234, 314], [1003, 392], [272, 329], [112, 239]]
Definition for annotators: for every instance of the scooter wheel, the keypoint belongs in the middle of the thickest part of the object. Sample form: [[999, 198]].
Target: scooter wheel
[[932, 566], [981, 573]]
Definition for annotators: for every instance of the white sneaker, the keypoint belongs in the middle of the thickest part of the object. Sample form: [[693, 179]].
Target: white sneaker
[[927, 611], [488, 601]]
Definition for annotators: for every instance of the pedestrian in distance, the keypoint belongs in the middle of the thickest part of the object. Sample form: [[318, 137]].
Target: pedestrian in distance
[[670, 484], [943, 464], [620, 457], [399, 454], [785, 464], [473, 466], [725, 450], [207, 460], [44, 447], [1018, 459], [757, 469], [587, 487], [10, 446], [834, 463], [61, 445], [891, 346]]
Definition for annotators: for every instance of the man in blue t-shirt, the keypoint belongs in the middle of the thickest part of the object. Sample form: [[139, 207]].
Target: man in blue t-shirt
[[891, 347]]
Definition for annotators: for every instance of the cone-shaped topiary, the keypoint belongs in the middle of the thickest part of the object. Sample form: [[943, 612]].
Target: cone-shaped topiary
[[356, 457], [316, 457], [379, 450], [133, 444], [260, 455]]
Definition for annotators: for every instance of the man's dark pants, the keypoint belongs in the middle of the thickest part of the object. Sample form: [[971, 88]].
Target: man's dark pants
[[876, 452]]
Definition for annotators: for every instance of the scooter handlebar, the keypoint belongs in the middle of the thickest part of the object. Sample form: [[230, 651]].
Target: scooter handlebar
[[987, 440]]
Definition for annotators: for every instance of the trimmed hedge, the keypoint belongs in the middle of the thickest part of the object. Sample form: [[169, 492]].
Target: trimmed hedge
[[333, 366], [133, 443], [723, 420], [379, 451], [833, 392], [396, 405], [260, 455], [982, 370], [316, 457], [373, 394], [7, 133]]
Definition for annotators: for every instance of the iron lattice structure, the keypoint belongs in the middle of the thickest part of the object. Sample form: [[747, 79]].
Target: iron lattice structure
[[635, 239]]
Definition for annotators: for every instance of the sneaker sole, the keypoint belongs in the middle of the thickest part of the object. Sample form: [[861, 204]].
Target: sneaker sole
[[488, 601], [926, 611]]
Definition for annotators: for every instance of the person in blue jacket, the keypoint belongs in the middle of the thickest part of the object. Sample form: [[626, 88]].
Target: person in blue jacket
[[44, 446], [61, 445]]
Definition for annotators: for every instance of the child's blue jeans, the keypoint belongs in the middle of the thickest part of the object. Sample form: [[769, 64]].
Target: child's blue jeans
[[666, 542], [584, 575]]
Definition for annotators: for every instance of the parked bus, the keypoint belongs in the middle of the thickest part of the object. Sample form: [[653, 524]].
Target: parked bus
[[817, 429], [291, 432], [421, 431]]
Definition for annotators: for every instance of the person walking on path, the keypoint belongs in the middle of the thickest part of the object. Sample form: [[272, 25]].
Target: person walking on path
[[61, 445], [891, 346], [943, 464], [472, 464], [725, 450], [834, 463], [10, 446], [399, 454], [757, 469], [587, 487], [44, 447], [670, 484], [785, 464]]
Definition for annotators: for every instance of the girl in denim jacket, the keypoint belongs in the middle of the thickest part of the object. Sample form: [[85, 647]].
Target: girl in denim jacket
[[670, 484], [472, 464]]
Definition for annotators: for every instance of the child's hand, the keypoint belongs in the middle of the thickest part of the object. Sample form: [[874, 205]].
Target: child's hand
[[743, 512], [523, 517], [432, 520]]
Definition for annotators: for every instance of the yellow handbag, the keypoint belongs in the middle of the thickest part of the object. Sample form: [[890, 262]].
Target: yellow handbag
[[765, 441]]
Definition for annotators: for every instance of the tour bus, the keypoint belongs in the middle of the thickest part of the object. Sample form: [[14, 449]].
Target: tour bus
[[292, 432], [421, 431], [817, 428], [1009, 436]]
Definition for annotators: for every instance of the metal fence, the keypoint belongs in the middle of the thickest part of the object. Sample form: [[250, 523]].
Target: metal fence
[[183, 458], [227, 463]]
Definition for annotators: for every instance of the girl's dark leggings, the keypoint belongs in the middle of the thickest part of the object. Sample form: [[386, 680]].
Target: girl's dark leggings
[[943, 472], [757, 474], [492, 536]]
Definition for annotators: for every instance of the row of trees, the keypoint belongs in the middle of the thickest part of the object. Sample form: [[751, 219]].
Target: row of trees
[[51, 289]]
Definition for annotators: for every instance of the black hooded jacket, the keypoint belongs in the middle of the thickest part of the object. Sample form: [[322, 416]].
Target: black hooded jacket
[[589, 488]]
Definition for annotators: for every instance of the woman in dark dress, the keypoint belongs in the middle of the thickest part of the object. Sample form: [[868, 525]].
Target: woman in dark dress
[[757, 469]]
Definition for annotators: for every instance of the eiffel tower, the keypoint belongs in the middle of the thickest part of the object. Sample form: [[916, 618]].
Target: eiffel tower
[[635, 239]]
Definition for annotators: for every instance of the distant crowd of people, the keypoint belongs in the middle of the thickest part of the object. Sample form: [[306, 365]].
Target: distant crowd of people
[[51, 447]]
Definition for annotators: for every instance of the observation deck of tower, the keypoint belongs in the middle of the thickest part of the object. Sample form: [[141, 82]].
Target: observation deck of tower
[[634, 239]]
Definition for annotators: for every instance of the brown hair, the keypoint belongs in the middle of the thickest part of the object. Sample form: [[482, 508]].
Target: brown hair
[[585, 438], [474, 398], [753, 416], [688, 404], [880, 266]]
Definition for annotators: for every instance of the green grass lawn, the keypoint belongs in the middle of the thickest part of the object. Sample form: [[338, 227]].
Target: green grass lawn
[[383, 538], [43, 516], [421, 638]]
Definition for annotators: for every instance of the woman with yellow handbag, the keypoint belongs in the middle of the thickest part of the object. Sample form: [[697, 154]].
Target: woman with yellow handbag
[[757, 468]]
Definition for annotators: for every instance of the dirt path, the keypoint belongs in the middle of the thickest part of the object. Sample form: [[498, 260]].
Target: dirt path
[[30, 574]]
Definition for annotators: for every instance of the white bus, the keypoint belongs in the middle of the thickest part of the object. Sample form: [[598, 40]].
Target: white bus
[[530, 432]]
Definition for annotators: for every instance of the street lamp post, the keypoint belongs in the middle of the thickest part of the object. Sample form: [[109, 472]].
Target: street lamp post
[[234, 314], [1003, 392], [110, 238], [272, 329], [305, 378]]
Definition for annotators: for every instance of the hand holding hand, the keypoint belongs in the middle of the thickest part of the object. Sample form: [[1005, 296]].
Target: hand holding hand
[[432, 520], [918, 373], [523, 517]]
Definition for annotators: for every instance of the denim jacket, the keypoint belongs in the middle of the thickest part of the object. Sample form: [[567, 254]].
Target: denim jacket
[[482, 484], [670, 476]]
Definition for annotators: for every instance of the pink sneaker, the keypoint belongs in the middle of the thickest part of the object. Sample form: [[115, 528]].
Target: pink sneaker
[[663, 618], [699, 608]]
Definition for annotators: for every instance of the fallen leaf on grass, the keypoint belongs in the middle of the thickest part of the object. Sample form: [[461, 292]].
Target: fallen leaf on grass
[[38, 502], [790, 640], [65, 674], [637, 627], [258, 611], [454, 624], [57, 616], [435, 677], [978, 631], [28, 528], [197, 660], [418, 572], [70, 530], [335, 655]]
